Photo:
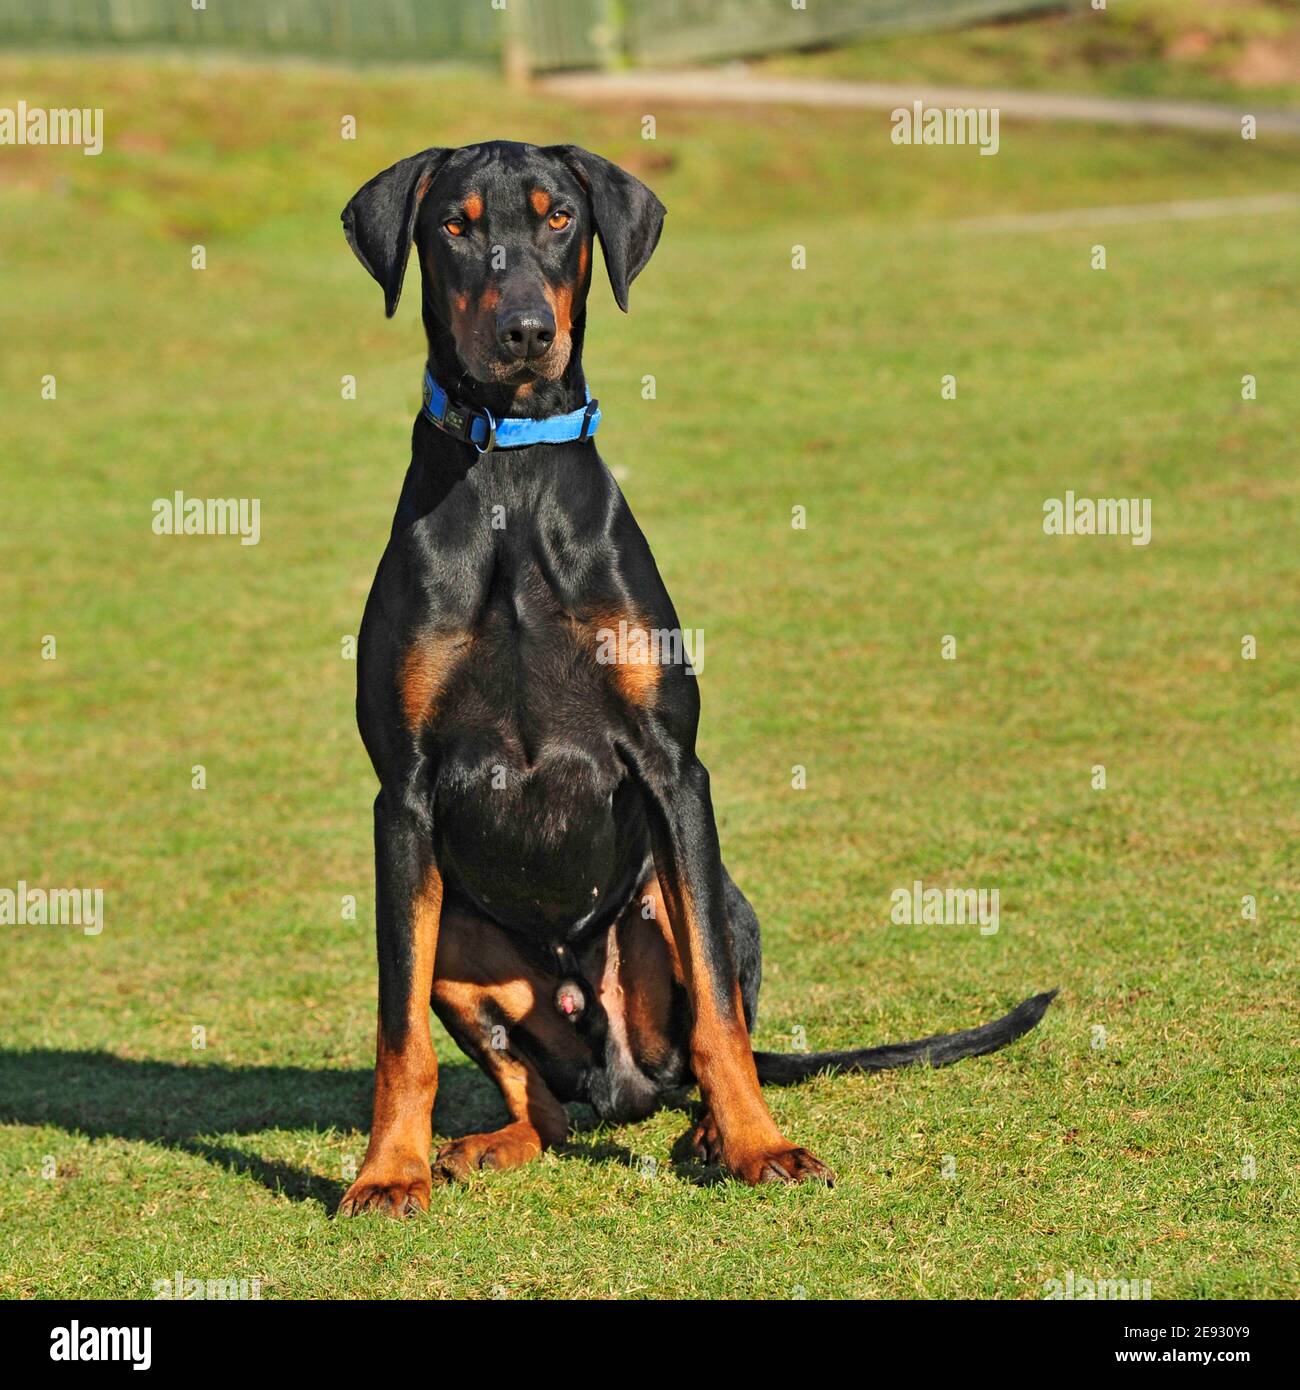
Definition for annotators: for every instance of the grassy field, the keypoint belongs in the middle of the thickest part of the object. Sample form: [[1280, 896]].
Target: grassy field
[[1245, 51], [127, 1153]]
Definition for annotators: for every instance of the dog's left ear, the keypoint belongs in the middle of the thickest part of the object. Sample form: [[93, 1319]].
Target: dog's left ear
[[380, 220], [628, 216]]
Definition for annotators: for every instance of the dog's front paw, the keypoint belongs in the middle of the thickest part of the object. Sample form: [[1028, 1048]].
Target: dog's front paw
[[397, 1185], [783, 1164]]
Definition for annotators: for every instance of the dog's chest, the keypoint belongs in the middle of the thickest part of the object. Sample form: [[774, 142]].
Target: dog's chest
[[529, 666], [520, 714]]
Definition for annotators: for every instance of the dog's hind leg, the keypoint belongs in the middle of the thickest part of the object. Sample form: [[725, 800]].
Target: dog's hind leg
[[500, 1008]]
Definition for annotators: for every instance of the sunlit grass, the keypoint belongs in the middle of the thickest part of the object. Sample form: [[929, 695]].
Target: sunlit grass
[[776, 388]]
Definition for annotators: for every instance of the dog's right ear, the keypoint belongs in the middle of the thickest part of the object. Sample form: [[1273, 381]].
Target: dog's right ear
[[380, 219]]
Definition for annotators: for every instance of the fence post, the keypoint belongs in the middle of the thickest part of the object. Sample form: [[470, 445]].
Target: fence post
[[516, 64], [607, 33]]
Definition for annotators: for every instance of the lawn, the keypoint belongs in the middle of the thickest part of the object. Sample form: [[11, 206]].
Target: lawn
[[1117, 1141], [1239, 51]]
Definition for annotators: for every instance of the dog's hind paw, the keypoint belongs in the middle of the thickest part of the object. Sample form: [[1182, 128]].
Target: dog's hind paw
[[705, 1143], [503, 1148]]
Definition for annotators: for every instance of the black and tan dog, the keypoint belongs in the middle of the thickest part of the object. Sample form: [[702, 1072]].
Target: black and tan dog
[[549, 876]]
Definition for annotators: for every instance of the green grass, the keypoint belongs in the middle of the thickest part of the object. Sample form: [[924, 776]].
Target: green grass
[[776, 388], [1235, 51]]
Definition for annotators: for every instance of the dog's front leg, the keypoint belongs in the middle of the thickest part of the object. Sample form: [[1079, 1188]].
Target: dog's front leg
[[689, 865], [395, 1177]]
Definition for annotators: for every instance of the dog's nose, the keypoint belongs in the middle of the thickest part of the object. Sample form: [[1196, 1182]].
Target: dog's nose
[[526, 332]]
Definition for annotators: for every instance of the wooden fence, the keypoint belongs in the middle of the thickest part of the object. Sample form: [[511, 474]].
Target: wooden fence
[[685, 31], [540, 34], [460, 30]]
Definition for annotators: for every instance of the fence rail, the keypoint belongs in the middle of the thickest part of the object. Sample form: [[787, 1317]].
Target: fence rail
[[426, 29], [683, 31], [550, 33]]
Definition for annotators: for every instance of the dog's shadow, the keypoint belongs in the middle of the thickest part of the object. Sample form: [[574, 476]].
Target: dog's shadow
[[196, 1109]]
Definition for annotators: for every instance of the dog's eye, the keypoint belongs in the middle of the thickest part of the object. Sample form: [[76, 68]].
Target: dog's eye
[[454, 226], [558, 221]]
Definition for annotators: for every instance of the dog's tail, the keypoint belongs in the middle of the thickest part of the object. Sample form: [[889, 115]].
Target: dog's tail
[[785, 1068]]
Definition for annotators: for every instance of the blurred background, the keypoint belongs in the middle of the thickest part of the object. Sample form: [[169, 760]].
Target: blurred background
[[1114, 298], [1212, 47]]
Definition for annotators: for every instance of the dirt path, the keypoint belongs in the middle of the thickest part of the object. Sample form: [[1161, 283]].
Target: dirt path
[[710, 86]]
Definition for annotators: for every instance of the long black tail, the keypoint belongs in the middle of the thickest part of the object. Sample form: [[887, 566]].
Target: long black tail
[[785, 1068]]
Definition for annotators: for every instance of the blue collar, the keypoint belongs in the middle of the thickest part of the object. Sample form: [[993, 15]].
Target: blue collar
[[485, 432]]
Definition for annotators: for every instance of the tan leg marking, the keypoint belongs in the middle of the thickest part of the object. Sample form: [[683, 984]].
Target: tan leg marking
[[722, 1060], [480, 977], [394, 1177]]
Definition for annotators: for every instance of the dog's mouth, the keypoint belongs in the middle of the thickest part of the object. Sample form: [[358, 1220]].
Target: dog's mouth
[[500, 369]]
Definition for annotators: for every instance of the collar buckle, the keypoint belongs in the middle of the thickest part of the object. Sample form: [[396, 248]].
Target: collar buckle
[[457, 420]]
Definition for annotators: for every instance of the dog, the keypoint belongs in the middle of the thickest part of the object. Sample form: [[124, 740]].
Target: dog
[[548, 874]]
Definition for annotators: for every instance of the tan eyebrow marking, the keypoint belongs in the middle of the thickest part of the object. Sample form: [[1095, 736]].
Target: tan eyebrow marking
[[474, 206], [541, 201]]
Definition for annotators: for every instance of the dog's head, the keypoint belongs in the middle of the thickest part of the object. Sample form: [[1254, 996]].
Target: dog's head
[[504, 235]]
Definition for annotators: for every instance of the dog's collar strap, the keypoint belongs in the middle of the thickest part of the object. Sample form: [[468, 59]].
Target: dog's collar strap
[[485, 432]]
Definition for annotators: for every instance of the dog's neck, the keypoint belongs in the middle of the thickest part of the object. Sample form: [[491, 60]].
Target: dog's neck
[[533, 400]]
